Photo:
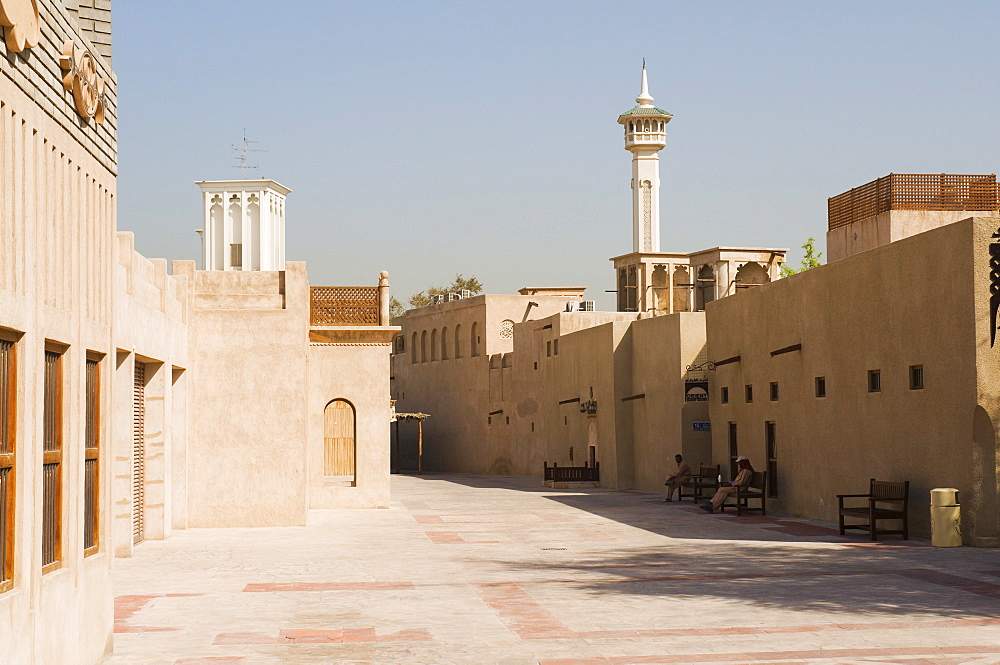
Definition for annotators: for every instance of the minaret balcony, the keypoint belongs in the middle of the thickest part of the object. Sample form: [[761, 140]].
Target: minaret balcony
[[652, 138]]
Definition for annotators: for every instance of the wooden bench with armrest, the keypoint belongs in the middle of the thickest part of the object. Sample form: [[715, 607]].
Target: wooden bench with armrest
[[701, 486], [886, 501], [755, 491]]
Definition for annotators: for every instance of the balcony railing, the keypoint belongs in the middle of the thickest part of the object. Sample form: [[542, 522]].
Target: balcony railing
[[344, 306], [907, 191]]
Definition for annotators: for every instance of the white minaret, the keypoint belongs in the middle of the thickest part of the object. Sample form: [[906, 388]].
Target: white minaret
[[645, 135], [244, 225]]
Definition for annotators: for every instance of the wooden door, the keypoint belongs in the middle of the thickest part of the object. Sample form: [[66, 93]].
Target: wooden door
[[338, 439]]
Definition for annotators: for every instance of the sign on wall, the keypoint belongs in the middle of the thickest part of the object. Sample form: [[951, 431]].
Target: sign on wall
[[82, 80], [696, 391], [21, 25], [701, 426]]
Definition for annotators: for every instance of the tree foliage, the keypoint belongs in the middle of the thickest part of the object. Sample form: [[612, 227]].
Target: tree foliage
[[810, 259], [460, 283]]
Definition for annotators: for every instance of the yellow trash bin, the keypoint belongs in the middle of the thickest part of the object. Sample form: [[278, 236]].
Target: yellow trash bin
[[946, 518]]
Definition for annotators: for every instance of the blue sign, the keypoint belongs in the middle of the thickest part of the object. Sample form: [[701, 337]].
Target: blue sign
[[701, 426]]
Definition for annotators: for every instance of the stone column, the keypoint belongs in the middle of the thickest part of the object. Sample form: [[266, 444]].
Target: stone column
[[383, 298]]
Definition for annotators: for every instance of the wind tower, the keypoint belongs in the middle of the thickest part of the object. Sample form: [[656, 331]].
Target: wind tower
[[645, 136], [244, 224]]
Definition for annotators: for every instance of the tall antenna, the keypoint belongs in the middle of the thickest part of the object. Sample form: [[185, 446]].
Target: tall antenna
[[240, 154]]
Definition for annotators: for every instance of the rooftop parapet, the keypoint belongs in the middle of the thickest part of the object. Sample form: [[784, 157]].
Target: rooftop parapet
[[910, 191]]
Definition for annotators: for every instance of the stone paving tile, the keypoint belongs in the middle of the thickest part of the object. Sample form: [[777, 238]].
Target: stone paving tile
[[478, 570]]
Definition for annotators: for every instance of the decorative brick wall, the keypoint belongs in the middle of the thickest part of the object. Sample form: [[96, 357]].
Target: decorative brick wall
[[94, 19], [36, 72]]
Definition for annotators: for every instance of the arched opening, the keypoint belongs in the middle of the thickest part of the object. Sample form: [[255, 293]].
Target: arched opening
[[458, 341], [413, 349], [751, 274], [682, 289], [706, 286], [507, 329], [631, 291], [661, 290], [423, 346], [474, 340], [444, 343], [339, 444], [434, 344], [631, 126]]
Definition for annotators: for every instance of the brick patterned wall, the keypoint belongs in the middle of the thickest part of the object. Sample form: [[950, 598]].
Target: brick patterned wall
[[36, 72], [94, 19]]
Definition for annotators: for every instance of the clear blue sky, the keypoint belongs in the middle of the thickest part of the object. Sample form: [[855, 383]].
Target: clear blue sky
[[429, 138]]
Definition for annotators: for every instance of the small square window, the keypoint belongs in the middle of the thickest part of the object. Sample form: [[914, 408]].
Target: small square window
[[532, 427], [774, 391], [565, 420], [874, 381], [548, 349], [555, 347], [725, 395], [536, 365], [508, 420], [820, 386], [749, 393], [916, 377], [489, 420]]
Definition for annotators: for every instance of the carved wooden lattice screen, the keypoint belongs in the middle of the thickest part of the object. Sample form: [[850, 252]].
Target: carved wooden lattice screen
[[344, 306], [907, 191], [138, 453]]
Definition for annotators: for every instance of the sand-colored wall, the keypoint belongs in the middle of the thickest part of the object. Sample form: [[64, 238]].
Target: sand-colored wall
[[359, 373], [887, 227], [57, 219], [907, 303], [151, 316], [247, 378]]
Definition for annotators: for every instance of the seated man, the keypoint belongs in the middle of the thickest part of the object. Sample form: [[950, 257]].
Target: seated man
[[682, 476], [742, 481]]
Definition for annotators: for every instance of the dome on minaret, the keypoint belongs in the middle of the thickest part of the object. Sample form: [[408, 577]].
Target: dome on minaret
[[645, 103]]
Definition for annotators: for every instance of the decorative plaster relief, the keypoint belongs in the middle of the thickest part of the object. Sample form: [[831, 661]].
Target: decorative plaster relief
[[507, 329], [994, 285], [23, 25], [82, 80], [647, 216]]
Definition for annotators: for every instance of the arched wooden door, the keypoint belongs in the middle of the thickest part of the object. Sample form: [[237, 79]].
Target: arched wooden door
[[338, 439]]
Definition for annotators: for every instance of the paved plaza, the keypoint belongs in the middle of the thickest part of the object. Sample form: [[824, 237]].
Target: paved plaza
[[480, 569]]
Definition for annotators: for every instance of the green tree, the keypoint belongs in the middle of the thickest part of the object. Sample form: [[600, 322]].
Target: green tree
[[460, 283], [396, 308], [810, 259]]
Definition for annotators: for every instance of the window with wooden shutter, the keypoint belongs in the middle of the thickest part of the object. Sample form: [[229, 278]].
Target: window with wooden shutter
[[52, 462], [138, 453], [7, 464], [338, 440], [91, 484], [236, 255]]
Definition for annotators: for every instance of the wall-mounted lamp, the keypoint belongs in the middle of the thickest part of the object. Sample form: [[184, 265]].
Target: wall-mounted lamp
[[589, 406]]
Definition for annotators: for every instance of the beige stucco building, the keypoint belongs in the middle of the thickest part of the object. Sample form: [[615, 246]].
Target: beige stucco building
[[135, 397]]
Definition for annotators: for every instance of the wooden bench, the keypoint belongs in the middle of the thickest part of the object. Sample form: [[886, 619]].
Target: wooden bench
[[886, 501], [755, 491], [703, 485]]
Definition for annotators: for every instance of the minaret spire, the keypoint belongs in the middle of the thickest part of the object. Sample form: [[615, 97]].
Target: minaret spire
[[644, 99]]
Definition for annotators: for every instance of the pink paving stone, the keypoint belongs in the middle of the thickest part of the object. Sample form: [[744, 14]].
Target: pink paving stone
[[428, 519], [445, 537], [210, 660], [336, 636], [412, 635]]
